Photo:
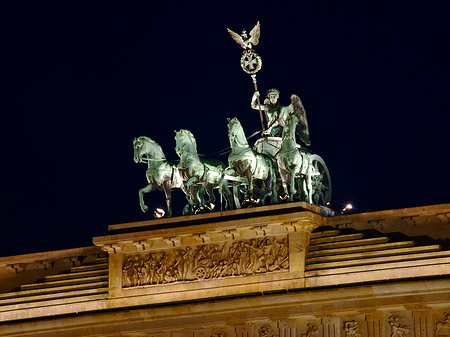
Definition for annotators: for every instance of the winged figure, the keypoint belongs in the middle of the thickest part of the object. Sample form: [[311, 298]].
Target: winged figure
[[243, 39], [302, 126]]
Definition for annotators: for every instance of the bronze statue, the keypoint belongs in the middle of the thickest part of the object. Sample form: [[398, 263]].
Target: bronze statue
[[292, 164], [161, 174], [276, 114], [245, 162], [194, 171], [243, 39], [275, 165]]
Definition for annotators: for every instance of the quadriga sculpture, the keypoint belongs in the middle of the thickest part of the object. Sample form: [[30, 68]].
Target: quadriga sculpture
[[194, 171], [161, 174], [244, 162]]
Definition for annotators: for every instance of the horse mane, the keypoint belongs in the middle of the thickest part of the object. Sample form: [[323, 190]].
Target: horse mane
[[291, 118], [156, 149], [190, 136], [237, 125]]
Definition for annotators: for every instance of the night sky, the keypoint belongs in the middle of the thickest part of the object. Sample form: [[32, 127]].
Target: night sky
[[82, 80]]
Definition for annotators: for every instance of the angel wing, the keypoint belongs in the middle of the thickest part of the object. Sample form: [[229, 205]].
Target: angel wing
[[255, 34], [236, 37], [302, 125]]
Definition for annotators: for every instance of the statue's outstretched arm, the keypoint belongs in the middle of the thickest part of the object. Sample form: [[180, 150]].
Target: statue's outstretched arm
[[254, 103]]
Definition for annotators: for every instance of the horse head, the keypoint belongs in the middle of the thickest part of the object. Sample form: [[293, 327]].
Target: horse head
[[146, 146], [236, 133], [138, 145], [185, 142]]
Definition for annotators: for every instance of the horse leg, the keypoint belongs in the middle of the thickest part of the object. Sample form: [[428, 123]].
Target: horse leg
[[201, 195], [248, 174], [292, 191], [168, 193], [273, 181], [143, 190], [309, 184], [212, 198], [225, 191], [283, 175], [303, 190], [187, 208], [190, 191]]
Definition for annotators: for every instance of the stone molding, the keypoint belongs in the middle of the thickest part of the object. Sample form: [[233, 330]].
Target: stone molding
[[414, 221], [45, 261], [219, 231]]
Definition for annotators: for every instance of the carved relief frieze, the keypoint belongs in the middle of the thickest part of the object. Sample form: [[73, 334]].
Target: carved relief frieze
[[266, 331], [220, 333], [397, 328], [443, 326], [207, 261], [351, 329], [311, 331]]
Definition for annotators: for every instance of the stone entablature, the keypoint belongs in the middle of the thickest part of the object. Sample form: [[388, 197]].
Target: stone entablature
[[267, 273], [237, 252], [366, 311], [432, 221], [27, 268]]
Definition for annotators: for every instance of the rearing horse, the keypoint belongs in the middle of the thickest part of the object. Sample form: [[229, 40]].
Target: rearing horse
[[249, 164], [160, 174], [194, 171]]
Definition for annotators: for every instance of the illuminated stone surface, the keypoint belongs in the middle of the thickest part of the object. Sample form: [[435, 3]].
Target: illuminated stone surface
[[281, 270]]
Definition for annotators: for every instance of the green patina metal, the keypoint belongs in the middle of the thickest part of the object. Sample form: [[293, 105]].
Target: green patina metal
[[275, 168], [195, 171]]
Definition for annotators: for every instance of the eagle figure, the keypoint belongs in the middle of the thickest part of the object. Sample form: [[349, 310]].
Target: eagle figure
[[243, 39]]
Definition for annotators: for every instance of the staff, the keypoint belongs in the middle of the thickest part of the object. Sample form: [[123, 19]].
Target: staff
[[251, 62]]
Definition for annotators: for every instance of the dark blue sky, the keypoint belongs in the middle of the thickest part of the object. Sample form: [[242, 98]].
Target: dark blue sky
[[82, 80]]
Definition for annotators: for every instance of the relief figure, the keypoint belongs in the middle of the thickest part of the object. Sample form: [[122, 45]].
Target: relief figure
[[209, 261], [397, 329]]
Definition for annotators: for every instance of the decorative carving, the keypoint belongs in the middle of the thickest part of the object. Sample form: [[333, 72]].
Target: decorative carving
[[112, 248], [311, 331], [75, 260], [377, 224], [397, 329], [265, 331], [209, 261], [220, 334], [351, 329], [444, 217], [410, 220], [443, 326], [16, 267], [44, 264]]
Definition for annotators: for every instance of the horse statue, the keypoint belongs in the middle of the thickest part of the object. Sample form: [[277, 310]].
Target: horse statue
[[292, 163], [194, 171], [244, 162], [161, 174]]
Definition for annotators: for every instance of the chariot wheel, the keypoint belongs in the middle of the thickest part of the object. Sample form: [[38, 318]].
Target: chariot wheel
[[320, 181], [200, 272]]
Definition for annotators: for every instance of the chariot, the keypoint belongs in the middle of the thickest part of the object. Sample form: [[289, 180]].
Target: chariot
[[313, 175], [275, 167]]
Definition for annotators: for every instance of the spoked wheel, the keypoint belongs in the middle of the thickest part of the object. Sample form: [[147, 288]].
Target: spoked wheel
[[200, 272], [320, 181]]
